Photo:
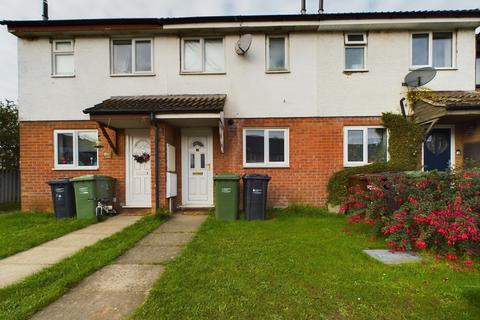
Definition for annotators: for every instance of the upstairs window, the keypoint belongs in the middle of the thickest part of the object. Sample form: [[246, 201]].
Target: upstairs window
[[277, 53], [433, 49], [203, 55], [62, 58], [132, 56], [265, 147], [355, 51], [363, 145], [75, 149]]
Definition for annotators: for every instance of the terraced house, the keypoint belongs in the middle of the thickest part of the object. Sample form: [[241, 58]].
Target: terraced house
[[164, 104]]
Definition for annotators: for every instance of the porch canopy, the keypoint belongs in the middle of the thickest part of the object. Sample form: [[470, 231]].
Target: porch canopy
[[447, 107], [199, 110]]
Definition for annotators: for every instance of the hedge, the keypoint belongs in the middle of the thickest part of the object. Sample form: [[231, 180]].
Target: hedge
[[404, 146]]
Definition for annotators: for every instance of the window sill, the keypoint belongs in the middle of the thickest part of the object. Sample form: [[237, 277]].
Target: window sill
[[276, 71], [199, 73], [266, 166], [350, 71], [75, 169], [62, 76], [437, 69], [133, 75], [350, 165]]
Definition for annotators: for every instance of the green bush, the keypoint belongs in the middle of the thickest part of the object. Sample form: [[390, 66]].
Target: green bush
[[404, 146]]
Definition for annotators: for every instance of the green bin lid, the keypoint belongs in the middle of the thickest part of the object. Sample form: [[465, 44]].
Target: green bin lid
[[90, 177], [227, 176]]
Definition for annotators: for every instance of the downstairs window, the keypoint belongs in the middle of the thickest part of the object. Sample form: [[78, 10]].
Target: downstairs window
[[265, 147], [75, 149], [364, 145]]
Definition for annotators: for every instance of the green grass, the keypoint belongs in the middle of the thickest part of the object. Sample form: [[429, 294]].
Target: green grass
[[22, 300], [20, 231], [303, 266]]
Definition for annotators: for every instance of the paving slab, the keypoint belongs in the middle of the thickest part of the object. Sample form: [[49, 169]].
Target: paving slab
[[19, 271], [166, 239], [26, 263], [116, 290], [149, 255], [75, 240], [185, 223], [387, 257]]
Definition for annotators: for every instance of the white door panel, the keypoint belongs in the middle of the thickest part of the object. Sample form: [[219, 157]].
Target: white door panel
[[197, 164], [138, 175]]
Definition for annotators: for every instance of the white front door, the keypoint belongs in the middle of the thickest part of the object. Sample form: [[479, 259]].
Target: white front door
[[138, 171], [197, 188]]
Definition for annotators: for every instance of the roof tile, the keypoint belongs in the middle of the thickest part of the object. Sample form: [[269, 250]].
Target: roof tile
[[201, 103]]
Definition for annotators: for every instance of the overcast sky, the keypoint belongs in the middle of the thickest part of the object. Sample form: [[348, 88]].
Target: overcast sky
[[77, 9]]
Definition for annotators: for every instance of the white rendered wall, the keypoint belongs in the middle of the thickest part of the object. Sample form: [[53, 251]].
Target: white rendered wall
[[315, 87]]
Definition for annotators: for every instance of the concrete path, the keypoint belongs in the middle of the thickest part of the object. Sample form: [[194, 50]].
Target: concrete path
[[116, 290], [27, 262]]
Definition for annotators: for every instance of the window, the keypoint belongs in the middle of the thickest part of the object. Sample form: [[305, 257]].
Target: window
[[76, 149], [363, 145], [433, 49], [203, 55], [355, 51], [62, 58], [277, 53], [132, 56], [265, 147]]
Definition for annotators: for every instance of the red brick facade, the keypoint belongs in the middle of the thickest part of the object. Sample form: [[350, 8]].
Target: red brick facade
[[37, 161], [315, 146], [316, 151]]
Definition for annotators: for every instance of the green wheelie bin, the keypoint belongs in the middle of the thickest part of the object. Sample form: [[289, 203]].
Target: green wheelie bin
[[227, 196], [88, 190]]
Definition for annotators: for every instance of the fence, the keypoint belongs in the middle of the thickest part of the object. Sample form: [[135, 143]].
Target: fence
[[9, 186]]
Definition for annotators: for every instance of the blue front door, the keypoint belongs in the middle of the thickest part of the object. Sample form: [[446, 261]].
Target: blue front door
[[437, 150]]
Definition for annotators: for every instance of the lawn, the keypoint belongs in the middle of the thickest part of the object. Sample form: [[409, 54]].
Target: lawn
[[303, 265], [21, 231], [23, 299]]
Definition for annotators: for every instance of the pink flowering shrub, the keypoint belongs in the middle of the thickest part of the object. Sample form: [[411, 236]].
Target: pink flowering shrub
[[438, 212]]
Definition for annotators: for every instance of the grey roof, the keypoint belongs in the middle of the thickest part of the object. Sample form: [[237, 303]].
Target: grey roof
[[200, 103], [468, 13], [453, 100]]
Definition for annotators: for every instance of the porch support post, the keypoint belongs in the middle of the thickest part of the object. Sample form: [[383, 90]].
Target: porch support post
[[157, 181], [113, 145]]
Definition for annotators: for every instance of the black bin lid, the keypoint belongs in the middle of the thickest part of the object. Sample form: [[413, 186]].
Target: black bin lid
[[256, 176], [59, 181]]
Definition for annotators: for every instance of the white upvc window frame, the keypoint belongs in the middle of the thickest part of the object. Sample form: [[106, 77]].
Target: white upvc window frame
[[202, 57], [430, 50], [75, 165], [286, 68], [352, 45], [266, 148], [56, 52], [346, 129], [133, 44]]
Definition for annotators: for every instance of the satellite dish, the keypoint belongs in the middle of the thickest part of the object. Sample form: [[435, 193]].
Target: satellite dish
[[243, 44], [419, 77]]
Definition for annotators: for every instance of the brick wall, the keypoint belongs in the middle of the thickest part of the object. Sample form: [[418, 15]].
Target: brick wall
[[37, 162], [315, 145], [316, 151]]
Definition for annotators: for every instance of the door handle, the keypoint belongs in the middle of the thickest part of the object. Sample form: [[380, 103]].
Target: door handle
[[209, 167]]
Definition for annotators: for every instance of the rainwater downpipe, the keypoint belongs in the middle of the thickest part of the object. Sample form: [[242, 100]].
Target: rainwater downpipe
[[155, 123]]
